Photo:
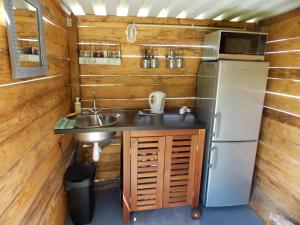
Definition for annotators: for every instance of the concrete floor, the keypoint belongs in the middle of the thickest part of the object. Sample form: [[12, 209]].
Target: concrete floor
[[108, 212]]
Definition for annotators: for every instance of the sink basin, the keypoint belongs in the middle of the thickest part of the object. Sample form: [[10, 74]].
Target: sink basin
[[91, 137], [94, 121], [99, 120]]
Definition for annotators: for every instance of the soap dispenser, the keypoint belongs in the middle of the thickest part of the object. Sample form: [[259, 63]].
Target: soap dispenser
[[77, 105]]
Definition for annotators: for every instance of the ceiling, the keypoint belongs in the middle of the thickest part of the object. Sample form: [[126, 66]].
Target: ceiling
[[234, 10]]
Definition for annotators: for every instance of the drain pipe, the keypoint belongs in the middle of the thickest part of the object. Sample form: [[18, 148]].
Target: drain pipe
[[97, 148], [96, 151]]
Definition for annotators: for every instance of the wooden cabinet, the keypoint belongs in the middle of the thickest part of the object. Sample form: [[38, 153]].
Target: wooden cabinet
[[161, 168], [147, 170]]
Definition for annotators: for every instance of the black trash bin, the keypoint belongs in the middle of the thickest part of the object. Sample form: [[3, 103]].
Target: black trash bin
[[79, 185]]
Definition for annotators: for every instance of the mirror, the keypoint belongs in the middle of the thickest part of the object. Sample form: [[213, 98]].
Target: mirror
[[27, 33], [26, 38]]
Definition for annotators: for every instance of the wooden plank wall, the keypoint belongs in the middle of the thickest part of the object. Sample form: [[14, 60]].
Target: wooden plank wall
[[32, 158], [109, 165], [276, 185], [128, 85]]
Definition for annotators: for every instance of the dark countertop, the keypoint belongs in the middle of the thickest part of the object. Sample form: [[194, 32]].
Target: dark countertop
[[131, 120]]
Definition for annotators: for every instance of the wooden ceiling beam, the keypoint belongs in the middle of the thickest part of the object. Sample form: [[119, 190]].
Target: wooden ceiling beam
[[168, 21]]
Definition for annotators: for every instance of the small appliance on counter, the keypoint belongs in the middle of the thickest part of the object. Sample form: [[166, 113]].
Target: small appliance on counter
[[157, 102], [184, 109]]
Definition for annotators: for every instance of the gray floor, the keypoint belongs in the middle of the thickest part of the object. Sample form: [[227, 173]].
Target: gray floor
[[108, 212]]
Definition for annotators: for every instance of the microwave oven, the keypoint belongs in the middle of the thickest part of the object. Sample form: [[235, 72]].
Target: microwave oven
[[236, 45]]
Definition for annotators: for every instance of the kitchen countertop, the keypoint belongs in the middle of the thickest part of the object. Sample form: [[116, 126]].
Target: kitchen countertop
[[131, 120]]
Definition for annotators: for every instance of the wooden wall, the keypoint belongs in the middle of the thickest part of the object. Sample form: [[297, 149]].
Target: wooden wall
[[128, 85], [276, 185], [32, 158], [26, 23], [109, 165]]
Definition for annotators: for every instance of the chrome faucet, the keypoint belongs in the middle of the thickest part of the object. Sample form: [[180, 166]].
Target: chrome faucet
[[94, 110]]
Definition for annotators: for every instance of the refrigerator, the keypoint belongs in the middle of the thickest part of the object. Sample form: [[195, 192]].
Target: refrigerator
[[230, 97]]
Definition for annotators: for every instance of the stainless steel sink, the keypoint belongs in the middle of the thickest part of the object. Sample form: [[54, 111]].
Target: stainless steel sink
[[95, 121], [99, 120]]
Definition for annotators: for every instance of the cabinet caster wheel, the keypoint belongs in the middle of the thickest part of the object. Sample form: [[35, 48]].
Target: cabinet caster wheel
[[196, 213]]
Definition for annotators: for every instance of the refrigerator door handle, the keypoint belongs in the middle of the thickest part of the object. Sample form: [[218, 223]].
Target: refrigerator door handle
[[213, 158], [217, 118]]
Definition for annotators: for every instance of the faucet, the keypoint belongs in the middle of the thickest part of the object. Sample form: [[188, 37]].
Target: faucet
[[94, 110]]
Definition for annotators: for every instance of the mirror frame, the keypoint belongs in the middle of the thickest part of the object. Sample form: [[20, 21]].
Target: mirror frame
[[18, 71]]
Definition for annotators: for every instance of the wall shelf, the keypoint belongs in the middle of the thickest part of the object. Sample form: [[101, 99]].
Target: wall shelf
[[100, 61], [99, 52], [181, 46], [29, 58]]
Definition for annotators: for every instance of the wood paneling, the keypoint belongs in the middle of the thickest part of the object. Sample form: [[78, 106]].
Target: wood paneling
[[285, 103], [73, 52], [276, 179], [285, 86], [26, 23], [137, 103], [284, 73], [126, 144], [33, 159], [167, 21], [150, 80], [180, 158], [290, 59], [147, 165], [133, 91], [108, 167], [131, 66], [56, 37], [128, 85]]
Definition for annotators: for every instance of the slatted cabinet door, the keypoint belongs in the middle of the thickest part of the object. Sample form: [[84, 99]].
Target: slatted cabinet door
[[147, 166], [180, 159]]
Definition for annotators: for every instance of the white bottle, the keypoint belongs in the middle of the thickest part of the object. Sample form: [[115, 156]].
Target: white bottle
[[77, 105]]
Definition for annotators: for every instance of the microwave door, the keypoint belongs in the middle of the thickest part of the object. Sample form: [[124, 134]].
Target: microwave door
[[242, 43]]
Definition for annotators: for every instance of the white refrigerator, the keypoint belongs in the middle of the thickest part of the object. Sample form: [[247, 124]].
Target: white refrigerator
[[230, 97]]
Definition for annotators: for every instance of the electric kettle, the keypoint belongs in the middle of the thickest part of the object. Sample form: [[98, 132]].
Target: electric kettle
[[157, 102]]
